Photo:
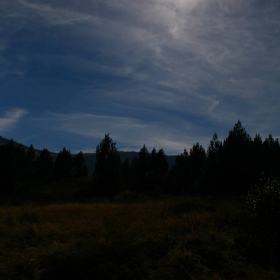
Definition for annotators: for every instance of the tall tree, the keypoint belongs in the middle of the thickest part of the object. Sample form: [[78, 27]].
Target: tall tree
[[63, 164], [44, 166], [79, 164], [211, 182], [126, 174], [197, 159], [157, 170], [258, 159], [139, 167], [7, 167], [20, 160], [271, 149], [236, 161], [107, 167], [179, 175], [31, 159]]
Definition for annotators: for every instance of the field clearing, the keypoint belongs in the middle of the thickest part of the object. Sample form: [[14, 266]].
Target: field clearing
[[168, 238]]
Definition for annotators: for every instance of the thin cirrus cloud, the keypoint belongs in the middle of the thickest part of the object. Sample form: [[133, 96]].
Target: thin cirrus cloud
[[129, 133], [205, 63], [11, 118]]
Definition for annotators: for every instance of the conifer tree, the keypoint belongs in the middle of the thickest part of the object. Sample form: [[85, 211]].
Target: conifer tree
[[126, 175], [31, 159], [107, 167], [20, 161], [236, 161], [44, 166], [271, 149], [179, 175], [157, 170], [197, 159], [63, 164], [79, 165], [211, 175], [140, 167], [258, 158], [7, 167]]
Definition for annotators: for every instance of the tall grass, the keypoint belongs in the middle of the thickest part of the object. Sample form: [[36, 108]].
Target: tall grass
[[172, 238]]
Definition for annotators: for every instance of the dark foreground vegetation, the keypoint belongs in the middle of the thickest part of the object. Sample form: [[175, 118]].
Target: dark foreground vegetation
[[215, 214], [133, 236]]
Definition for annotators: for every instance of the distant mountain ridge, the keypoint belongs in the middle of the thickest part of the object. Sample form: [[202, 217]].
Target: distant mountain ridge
[[4, 141], [91, 157]]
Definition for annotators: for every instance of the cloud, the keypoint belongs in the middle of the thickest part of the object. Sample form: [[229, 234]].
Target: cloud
[[128, 133], [10, 118], [57, 16], [196, 61]]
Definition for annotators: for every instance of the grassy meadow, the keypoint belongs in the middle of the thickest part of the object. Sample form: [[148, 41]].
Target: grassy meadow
[[164, 238]]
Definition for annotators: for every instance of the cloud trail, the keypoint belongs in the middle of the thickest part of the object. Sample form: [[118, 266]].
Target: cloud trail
[[128, 133], [10, 118]]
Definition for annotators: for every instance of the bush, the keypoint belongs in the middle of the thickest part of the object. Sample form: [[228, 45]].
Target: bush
[[263, 210]]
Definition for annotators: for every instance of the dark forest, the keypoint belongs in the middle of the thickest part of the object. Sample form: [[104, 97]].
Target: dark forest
[[229, 167]]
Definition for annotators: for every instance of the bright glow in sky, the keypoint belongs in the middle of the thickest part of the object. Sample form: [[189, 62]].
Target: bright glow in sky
[[165, 73]]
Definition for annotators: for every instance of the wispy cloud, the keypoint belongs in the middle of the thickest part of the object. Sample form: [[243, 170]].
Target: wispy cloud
[[10, 118], [57, 16], [188, 61], [128, 133]]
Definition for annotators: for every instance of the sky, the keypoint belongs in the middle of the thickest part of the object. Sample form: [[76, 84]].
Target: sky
[[164, 73]]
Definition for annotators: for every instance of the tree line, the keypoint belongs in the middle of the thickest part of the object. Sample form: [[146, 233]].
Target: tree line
[[18, 165], [228, 167]]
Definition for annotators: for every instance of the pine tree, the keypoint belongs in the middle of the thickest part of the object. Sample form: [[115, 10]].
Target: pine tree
[[271, 149], [258, 158], [107, 167], [179, 175], [7, 167], [237, 161], [63, 164], [44, 166], [126, 175], [20, 160], [79, 165], [140, 167], [211, 175], [31, 159], [197, 159], [157, 170]]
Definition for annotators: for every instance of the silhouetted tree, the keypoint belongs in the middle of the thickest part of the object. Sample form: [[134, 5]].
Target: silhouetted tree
[[179, 175], [20, 161], [63, 164], [79, 165], [7, 167], [157, 170], [258, 159], [107, 167], [126, 174], [211, 174], [236, 161], [44, 165], [139, 167], [31, 162], [271, 162], [263, 210], [197, 159]]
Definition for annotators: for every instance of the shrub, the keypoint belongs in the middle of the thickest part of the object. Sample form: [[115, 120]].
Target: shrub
[[263, 210]]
